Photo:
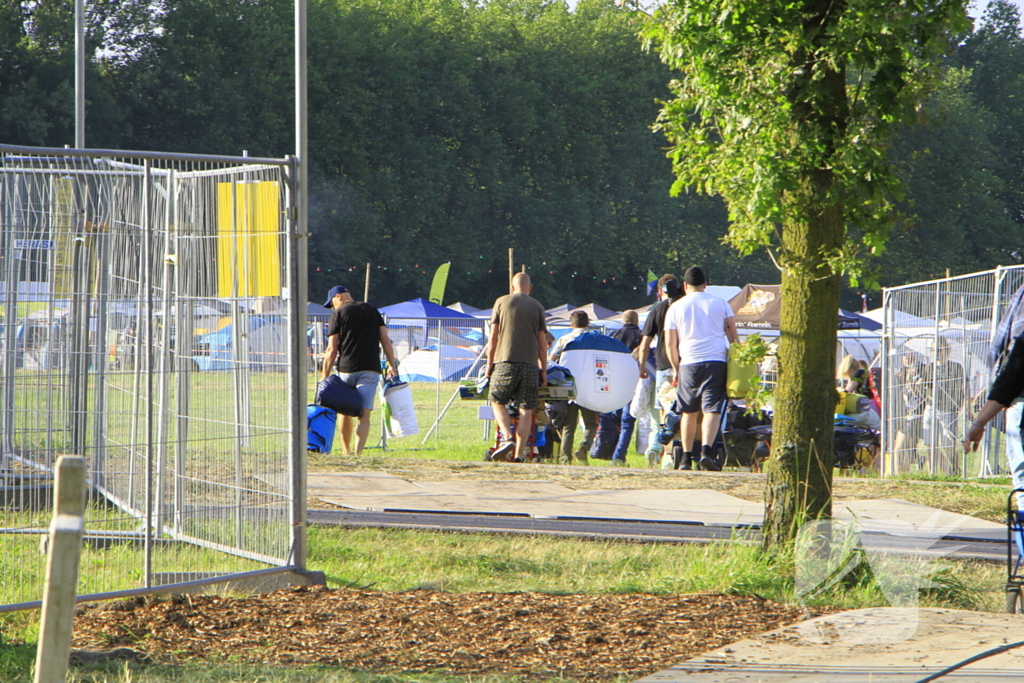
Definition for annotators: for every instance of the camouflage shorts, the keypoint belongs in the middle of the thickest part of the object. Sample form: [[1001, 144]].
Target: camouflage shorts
[[515, 383]]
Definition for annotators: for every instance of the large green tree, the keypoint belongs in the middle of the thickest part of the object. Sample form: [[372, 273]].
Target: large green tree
[[784, 107]]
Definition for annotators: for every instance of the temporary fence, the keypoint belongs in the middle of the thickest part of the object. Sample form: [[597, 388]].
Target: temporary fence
[[936, 375], [145, 324]]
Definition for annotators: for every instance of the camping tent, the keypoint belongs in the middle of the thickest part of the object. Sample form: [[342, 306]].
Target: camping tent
[[759, 307], [438, 364]]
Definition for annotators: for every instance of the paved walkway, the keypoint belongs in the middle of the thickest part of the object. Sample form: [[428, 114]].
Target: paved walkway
[[878, 645], [384, 492]]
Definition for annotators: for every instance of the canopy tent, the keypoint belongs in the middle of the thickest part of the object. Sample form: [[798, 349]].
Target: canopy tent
[[595, 312], [319, 312], [759, 307], [434, 363], [463, 308], [419, 323], [724, 292], [866, 323], [419, 309], [561, 309]]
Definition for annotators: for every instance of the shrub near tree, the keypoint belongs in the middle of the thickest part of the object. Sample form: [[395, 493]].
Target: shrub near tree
[[784, 108]]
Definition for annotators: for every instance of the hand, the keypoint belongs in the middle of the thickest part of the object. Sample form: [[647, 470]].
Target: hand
[[487, 370], [973, 437], [643, 371], [543, 377], [392, 373]]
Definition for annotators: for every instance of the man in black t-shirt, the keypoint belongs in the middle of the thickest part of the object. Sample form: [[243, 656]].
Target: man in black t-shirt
[[356, 333], [669, 291]]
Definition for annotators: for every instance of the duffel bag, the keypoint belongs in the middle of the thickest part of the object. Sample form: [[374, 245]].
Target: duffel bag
[[336, 394]]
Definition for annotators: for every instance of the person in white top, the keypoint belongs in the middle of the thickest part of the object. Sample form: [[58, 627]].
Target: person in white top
[[699, 329]]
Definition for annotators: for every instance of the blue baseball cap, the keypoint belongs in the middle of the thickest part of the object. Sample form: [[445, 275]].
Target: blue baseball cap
[[335, 291]]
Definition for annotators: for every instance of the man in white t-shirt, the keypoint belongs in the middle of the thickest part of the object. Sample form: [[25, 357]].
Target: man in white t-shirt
[[697, 328]]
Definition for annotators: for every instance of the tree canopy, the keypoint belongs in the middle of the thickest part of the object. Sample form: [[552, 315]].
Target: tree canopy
[[449, 131]]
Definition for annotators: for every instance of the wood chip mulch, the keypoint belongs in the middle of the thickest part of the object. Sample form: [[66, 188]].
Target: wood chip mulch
[[586, 637]]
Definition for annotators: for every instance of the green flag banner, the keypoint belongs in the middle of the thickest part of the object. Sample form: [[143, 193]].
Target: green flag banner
[[438, 285], [652, 282]]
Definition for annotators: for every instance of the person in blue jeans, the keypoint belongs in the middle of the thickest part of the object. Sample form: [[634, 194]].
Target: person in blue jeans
[[630, 335]]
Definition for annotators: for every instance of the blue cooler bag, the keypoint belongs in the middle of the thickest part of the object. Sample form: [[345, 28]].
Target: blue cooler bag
[[320, 423]]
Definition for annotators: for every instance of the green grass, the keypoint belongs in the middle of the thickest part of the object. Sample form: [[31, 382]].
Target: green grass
[[200, 672]]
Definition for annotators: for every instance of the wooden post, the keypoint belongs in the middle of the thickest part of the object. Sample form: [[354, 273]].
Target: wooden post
[[511, 267], [62, 560], [366, 287]]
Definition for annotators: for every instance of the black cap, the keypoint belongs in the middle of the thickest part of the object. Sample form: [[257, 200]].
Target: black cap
[[694, 276]]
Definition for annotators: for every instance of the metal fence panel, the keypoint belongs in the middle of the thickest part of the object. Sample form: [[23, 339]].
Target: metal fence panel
[[145, 326], [935, 373]]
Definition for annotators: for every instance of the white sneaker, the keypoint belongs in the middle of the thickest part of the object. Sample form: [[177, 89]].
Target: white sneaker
[[652, 458], [668, 462]]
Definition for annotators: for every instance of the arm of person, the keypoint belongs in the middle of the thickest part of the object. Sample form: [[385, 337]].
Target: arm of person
[[977, 429], [645, 350], [389, 352], [542, 356], [556, 350], [1007, 386], [330, 356], [492, 349], [730, 331], [671, 340]]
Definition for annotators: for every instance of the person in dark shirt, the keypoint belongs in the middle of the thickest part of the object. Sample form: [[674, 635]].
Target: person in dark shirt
[[630, 335], [669, 291], [1007, 387], [355, 334]]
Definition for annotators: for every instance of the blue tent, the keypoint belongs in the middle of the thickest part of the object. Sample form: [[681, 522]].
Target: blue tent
[[417, 309]]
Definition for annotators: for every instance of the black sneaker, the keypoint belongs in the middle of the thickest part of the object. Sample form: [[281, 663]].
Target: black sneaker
[[708, 462]]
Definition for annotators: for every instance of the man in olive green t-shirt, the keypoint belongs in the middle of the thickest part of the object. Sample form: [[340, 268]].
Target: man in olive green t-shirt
[[516, 363]]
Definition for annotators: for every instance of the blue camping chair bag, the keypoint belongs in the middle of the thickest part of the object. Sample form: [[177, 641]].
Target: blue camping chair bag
[[320, 425], [336, 394]]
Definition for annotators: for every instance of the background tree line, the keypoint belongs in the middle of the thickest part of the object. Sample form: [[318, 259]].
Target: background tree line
[[442, 130]]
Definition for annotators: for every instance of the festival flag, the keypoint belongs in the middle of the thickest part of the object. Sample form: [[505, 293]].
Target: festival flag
[[652, 282], [437, 287]]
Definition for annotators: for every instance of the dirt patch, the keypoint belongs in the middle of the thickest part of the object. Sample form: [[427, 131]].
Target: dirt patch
[[586, 637]]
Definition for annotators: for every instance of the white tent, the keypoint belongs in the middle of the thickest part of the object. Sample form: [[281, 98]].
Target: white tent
[[435, 363]]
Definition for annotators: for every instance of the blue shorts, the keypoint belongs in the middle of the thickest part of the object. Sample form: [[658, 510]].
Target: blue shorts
[[365, 382]]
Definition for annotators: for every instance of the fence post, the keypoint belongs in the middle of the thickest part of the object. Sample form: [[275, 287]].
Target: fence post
[[62, 559]]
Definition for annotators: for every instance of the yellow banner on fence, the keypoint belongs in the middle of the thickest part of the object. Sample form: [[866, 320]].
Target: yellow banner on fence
[[248, 239]]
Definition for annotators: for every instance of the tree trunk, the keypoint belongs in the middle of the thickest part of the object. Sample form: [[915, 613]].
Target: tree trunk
[[799, 471]]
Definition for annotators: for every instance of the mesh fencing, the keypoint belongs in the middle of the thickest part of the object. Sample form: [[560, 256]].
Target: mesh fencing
[[935, 372], [145, 326]]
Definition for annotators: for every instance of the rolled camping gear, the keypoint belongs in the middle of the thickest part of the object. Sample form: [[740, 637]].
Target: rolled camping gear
[[320, 426]]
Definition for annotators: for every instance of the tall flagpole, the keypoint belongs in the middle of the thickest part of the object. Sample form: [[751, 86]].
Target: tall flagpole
[[79, 74]]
